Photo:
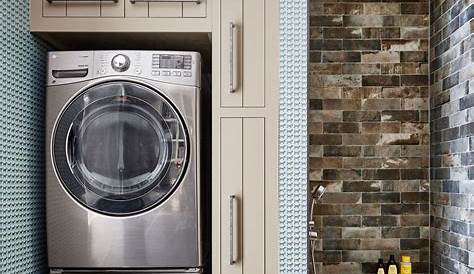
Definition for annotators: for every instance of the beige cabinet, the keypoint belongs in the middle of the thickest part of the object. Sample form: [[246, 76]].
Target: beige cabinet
[[242, 29], [245, 137], [121, 16]]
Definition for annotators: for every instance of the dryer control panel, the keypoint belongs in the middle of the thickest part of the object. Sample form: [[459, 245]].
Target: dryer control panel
[[174, 67]]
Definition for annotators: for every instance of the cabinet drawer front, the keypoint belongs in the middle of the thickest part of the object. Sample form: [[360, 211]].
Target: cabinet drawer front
[[83, 9], [55, 9], [139, 9], [194, 9], [166, 9], [112, 9]]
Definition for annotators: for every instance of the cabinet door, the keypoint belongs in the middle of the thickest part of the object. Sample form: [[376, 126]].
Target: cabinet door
[[55, 9], [242, 169], [83, 9], [112, 9], [242, 53]]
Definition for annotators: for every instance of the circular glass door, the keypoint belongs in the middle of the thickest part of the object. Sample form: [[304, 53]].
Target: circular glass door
[[120, 148]]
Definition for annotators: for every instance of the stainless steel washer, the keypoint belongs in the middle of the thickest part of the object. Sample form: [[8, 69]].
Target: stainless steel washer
[[123, 161]]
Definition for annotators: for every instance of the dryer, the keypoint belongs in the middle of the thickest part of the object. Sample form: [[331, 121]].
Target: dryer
[[122, 131]]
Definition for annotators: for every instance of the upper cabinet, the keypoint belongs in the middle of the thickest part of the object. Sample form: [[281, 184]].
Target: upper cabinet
[[242, 53], [120, 16]]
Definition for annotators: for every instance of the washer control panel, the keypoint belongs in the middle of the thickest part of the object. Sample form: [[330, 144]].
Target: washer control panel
[[175, 67], [167, 66]]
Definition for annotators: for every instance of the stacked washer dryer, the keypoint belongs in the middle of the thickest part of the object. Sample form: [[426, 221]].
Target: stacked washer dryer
[[123, 162]]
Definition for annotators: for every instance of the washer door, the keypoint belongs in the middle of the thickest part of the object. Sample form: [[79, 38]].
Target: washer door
[[120, 148]]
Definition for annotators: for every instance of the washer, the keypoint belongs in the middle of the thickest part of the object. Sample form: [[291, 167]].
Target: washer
[[122, 131]]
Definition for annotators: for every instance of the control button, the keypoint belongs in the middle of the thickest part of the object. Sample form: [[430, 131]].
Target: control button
[[176, 73], [187, 74], [155, 73], [138, 71], [120, 62], [166, 73]]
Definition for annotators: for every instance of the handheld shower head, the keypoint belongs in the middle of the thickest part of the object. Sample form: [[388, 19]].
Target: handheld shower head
[[317, 192]]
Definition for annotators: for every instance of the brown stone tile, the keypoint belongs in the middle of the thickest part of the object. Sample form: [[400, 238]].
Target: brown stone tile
[[361, 209], [361, 232], [341, 198], [399, 139], [341, 104], [338, 33], [401, 232], [325, 209], [381, 104], [380, 221], [324, 162], [380, 244], [361, 186], [341, 174], [342, 151], [325, 139], [385, 32], [401, 115], [342, 127], [326, 20], [343, 244], [360, 139], [342, 221], [381, 197], [380, 57], [343, 8], [341, 57], [361, 116], [354, 68], [414, 220], [380, 80]]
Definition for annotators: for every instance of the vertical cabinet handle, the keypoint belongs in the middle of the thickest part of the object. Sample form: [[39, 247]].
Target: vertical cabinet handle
[[232, 232], [231, 59]]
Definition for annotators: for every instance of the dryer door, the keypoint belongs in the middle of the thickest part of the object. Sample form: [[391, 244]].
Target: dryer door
[[120, 148]]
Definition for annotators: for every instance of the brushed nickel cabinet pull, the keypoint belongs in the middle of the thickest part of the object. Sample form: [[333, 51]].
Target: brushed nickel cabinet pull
[[231, 55], [232, 260], [181, 1], [51, 1]]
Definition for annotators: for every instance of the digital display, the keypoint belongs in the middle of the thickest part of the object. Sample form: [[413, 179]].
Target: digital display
[[172, 61]]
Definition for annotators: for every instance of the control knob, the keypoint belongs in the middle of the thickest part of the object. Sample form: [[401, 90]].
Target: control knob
[[120, 63]]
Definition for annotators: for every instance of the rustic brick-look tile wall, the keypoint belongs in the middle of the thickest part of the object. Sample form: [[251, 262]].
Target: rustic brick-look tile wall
[[369, 132], [452, 141]]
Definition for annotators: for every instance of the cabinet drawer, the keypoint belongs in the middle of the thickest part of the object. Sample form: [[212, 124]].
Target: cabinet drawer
[[82, 9], [192, 9], [166, 9], [112, 9], [138, 9], [54, 9]]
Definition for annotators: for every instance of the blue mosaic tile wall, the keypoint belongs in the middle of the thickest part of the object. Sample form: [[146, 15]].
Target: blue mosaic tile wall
[[22, 235], [293, 136]]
